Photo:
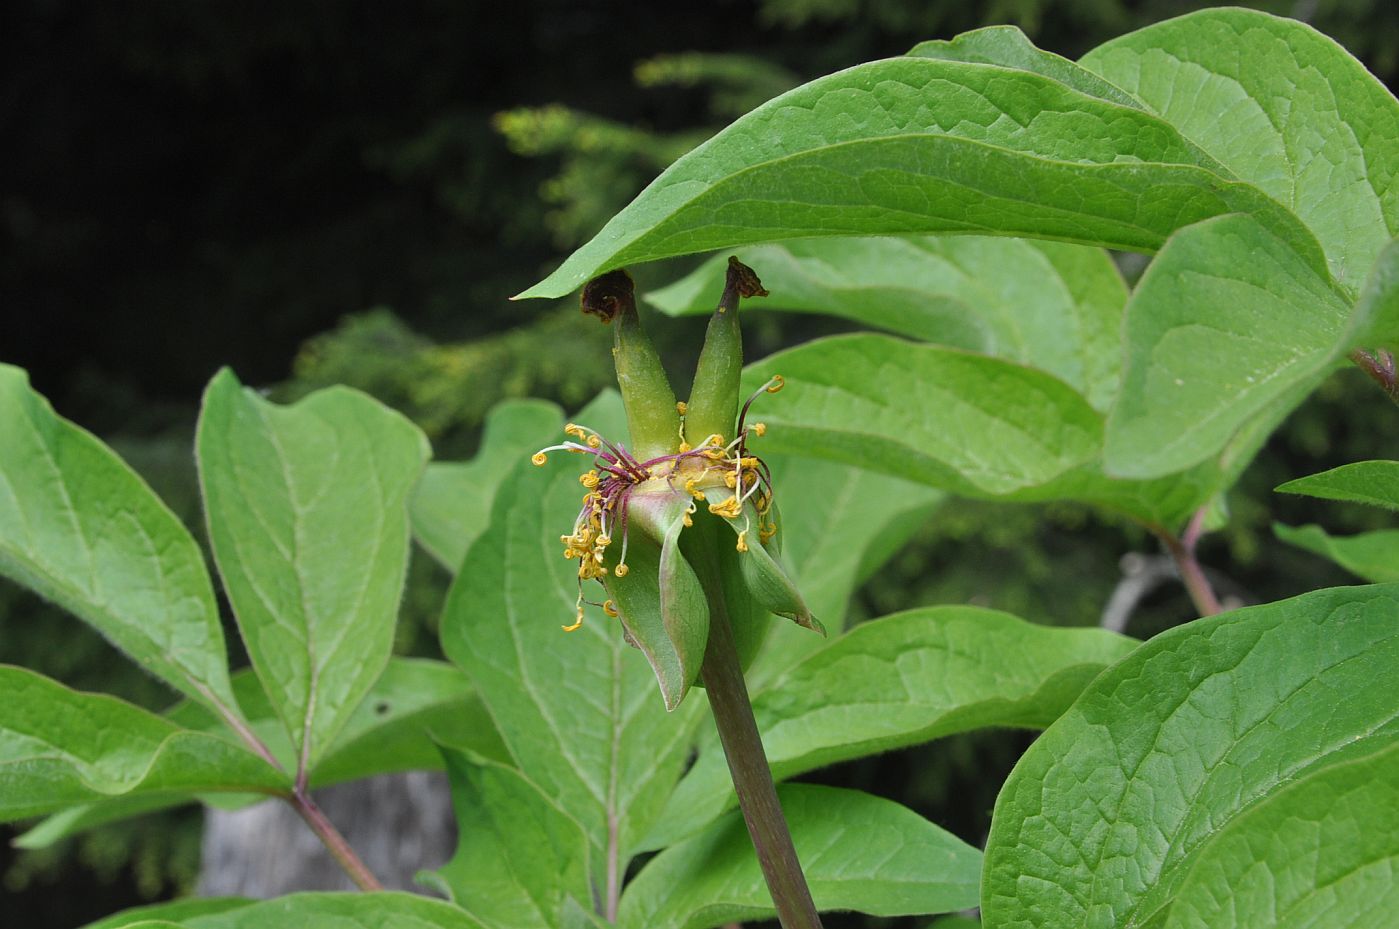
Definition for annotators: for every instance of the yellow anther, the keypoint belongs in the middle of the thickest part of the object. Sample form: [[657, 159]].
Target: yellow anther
[[594, 442], [742, 541], [609, 608], [766, 532], [577, 624], [538, 458], [776, 385], [620, 570], [715, 440], [687, 520], [730, 508], [684, 446], [570, 554], [589, 480], [681, 407], [759, 429], [692, 490], [574, 429], [730, 480]]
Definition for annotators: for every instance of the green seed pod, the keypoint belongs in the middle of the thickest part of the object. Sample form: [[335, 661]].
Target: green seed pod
[[652, 416], [713, 405]]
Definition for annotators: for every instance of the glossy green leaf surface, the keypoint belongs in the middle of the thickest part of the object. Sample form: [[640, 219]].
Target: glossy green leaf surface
[[578, 711], [452, 503], [519, 858], [918, 145], [1281, 106], [1373, 482], [967, 423], [79, 527], [1373, 556], [1105, 816], [1228, 324], [59, 747], [898, 681], [859, 852], [1053, 306], [382, 910], [1321, 851], [307, 509]]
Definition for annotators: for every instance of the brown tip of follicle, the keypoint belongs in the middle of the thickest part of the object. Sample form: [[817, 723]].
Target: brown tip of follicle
[[608, 295], [744, 279]]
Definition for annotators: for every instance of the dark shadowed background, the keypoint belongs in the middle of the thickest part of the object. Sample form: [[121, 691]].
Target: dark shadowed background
[[349, 192]]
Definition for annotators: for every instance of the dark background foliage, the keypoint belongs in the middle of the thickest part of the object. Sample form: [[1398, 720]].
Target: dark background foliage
[[349, 192]]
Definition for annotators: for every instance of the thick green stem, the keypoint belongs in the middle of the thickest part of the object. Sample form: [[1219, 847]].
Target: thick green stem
[[333, 841], [748, 765], [1191, 574]]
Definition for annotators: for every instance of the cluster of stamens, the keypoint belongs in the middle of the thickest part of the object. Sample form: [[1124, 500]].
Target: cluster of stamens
[[713, 466]]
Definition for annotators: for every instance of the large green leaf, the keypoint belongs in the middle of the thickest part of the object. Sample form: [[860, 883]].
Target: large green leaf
[[81, 528], [1373, 482], [519, 858], [311, 911], [1373, 556], [1321, 851], [1375, 322], [59, 747], [1227, 325], [918, 145], [1103, 818], [1281, 106], [967, 423], [1056, 307], [899, 681], [452, 504], [307, 508], [577, 710], [858, 852]]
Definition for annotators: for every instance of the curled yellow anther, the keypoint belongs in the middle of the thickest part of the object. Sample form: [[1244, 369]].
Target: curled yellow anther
[[609, 608], [578, 622], [775, 385], [681, 407], [538, 458], [742, 541], [620, 570], [759, 429]]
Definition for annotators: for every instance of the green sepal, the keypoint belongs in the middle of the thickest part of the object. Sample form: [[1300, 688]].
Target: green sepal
[[660, 601], [767, 581], [713, 405], [652, 417]]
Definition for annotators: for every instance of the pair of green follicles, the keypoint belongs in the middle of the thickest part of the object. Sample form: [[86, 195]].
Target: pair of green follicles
[[687, 472]]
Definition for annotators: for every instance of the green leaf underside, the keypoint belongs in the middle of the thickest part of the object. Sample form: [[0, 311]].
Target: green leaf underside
[[79, 527], [915, 145], [859, 852], [1105, 815], [1228, 324], [1373, 482], [452, 503], [838, 524], [59, 747], [307, 508], [578, 710], [1373, 556], [1046, 304], [519, 857], [1281, 106], [1008, 47], [382, 910], [661, 602], [1375, 322], [899, 681], [967, 423], [1321, 851], [171, 912]]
